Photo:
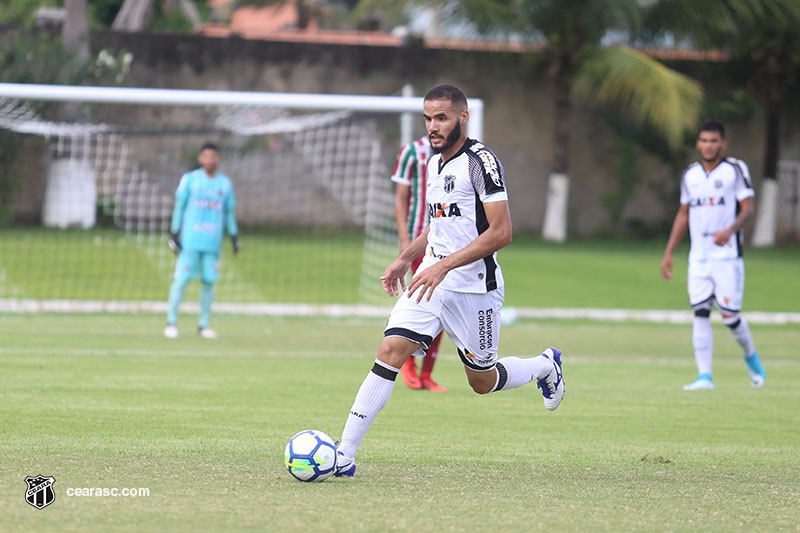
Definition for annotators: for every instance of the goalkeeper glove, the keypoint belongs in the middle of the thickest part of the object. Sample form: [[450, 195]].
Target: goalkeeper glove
[[235, 243], [175, 243]]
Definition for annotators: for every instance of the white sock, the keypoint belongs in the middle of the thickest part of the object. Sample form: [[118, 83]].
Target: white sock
[[703, 342], [371, 398], [513, 372], [741, 332]]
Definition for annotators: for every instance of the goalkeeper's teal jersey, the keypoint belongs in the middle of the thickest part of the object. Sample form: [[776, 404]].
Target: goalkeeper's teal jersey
[[204, 210]]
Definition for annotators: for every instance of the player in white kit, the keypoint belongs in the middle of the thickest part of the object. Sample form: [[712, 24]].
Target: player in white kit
[[716, 200], [459, 286]]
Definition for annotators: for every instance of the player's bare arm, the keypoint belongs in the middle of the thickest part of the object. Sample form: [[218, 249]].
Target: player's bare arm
[[496, 236], [396, 271], [679, 227], [401, 196], [745, 210]]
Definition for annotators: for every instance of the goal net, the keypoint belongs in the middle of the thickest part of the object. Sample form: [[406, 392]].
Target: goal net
[[310, 173]]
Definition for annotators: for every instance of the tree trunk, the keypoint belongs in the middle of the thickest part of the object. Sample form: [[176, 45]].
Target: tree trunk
[[555, 215], [766, 216], [772, 148], [75, 36], [75, 32], [303, 14], [562, 131]]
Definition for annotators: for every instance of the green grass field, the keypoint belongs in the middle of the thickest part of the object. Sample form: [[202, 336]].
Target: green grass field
[[325, 267], [309, 267], [105, 401]]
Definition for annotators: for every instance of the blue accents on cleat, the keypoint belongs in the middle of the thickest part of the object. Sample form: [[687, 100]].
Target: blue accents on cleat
[[703, 382], [755, 370], [344, 467], [552, 385]]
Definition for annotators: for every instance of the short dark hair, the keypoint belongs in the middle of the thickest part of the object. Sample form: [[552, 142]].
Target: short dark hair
[[210, 146], [445, 91], [712, 125]]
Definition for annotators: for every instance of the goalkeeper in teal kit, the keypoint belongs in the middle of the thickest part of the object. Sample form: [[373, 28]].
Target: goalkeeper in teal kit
[[204, 210]]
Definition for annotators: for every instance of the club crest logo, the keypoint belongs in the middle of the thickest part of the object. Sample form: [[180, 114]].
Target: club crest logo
[[449, 183], [718, 184], [40, 491]]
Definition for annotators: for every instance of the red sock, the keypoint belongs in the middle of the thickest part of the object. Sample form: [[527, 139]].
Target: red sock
[[430, 358]]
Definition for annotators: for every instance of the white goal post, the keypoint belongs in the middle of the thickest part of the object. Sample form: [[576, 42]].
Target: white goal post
[[316, 102], [304, 164]]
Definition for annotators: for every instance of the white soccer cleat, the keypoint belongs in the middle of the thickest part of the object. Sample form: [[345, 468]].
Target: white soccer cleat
[[171, 331], [553, 384], [208, 333], [345, 467], [703, 382]]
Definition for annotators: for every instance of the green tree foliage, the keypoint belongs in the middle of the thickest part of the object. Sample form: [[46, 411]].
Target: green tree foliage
[[581, 64], [646, 89], [103, 12], [28, 56], [762, 38], [22, 11]]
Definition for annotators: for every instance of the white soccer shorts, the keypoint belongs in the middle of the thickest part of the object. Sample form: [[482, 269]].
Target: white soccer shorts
[[720, 279], [472, 321]]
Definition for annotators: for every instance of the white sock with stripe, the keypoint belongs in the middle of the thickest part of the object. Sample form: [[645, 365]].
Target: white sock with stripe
[[371, 398], [513, 372], [741, 332]]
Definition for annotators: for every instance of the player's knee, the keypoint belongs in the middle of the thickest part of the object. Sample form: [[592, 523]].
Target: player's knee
[[703, 310], [732, 320], [393, 353]]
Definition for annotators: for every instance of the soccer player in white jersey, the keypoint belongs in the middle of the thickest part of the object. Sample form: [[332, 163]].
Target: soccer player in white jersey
[[204, 210], [459, 286], [411, 214], [716, 200]]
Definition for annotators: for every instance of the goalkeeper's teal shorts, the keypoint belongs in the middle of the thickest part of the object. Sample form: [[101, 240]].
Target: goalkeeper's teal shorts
[[189, 260]]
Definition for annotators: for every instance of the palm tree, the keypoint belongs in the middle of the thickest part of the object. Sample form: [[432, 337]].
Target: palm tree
[[579, 65], [762, 38]]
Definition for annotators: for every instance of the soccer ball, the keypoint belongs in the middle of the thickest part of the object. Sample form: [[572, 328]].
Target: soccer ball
[[310, 456]]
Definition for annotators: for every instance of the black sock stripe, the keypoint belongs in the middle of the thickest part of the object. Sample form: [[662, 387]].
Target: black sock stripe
[[383, 372], [703, 313], [735, 324], [502, 376]]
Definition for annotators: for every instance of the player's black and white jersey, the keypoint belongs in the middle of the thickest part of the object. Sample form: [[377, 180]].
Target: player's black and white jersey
[[713, 200], [456, 193]]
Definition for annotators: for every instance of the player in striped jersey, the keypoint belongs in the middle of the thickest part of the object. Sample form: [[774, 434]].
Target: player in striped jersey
[[411, 214], [716, 200], [459, 286]]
